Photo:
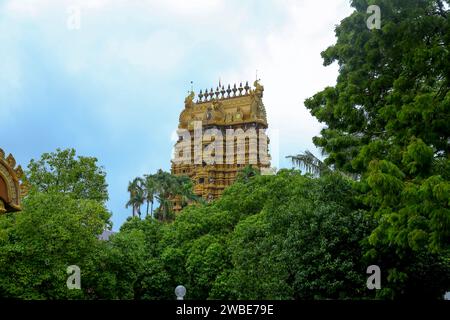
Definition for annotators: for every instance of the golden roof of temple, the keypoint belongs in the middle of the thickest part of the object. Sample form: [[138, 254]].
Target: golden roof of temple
[[225, 106]]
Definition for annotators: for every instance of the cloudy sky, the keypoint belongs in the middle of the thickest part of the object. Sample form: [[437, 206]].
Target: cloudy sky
[[114, 87]]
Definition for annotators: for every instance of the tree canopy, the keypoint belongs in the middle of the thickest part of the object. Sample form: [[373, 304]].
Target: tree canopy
[[388, 122], [63, 172]]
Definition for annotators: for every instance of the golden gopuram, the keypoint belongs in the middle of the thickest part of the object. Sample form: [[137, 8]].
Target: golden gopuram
[[11, 189], [235, 109]]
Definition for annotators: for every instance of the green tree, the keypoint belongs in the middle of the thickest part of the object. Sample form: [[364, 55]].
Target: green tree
[[150, 189], [388, 122], [137, 196], [62, 217], [37, 245], [310, 163], [246, 173], [61, 171], [183, 190], [392, 85], [304, 243], [164, 188], [271, 237], [135, 261]]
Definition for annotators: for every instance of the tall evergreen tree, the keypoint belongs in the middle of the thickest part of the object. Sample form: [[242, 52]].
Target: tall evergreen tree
[[388, 121]]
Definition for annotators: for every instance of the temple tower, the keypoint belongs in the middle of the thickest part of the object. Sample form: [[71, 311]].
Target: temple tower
[[232, 121]]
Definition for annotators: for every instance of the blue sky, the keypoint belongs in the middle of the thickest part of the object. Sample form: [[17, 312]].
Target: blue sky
[[114, 88]]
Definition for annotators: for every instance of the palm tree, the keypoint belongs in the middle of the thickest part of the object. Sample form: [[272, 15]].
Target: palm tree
[[150, 190], [184, 190], [164, 187], [137, 196], [131, 201], [169, 187], [310, 163], [246, 173]]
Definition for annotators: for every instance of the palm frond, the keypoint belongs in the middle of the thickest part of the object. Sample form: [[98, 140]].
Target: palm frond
[[310, 163]]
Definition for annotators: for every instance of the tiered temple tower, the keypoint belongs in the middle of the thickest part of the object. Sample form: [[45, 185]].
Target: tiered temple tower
[[237, 109]]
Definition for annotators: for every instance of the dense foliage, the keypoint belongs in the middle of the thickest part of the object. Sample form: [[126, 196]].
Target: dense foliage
[[164, 188], [62, 172], [57, 228], [388, 123], [269, 237], [263, 239]]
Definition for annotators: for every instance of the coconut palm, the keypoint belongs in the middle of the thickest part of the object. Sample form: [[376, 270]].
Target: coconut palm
[[162, 187], [150, 190], [169, 187], [184, 190], [137, 196], [246, 173], [165, 187], [310, 163]]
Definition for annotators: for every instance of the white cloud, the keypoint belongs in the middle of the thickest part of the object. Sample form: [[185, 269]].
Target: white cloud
[[291, 68], [151, 39]]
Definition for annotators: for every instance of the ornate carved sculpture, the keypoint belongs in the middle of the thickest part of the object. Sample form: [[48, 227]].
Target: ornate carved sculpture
[[189, 100], [217, 105], [214, 112], [188, 106], [257, 106], [258, 88], [11, 189]]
